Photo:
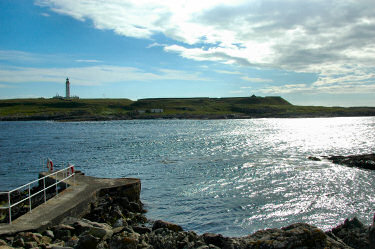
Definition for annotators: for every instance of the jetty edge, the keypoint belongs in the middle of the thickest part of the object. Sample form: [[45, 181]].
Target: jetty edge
[[108, 213]]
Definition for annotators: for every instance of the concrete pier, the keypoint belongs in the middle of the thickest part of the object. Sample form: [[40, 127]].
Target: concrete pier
[[75, 201]]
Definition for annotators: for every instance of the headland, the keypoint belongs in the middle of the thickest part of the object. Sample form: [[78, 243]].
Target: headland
[[167, 108]]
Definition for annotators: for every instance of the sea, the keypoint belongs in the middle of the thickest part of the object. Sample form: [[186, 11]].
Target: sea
[[232, 177]]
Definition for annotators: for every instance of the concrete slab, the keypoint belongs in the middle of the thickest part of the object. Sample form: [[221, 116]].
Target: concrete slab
[[74, 201]]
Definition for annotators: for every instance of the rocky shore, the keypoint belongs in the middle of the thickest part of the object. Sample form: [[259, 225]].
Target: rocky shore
[[115, 222], [363, 161], [366, 161]]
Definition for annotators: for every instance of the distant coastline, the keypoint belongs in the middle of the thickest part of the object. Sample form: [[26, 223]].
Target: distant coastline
[[167, 108]]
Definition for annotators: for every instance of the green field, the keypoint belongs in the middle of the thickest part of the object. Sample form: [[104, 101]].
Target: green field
[[191, 108]]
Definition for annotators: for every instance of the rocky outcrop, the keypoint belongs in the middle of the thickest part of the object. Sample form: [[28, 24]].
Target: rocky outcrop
[[366, 161], [353, 233]]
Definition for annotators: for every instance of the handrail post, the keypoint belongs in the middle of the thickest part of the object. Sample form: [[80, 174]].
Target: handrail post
[[44, 188], [29, 199], [10, 209], [56, 184]]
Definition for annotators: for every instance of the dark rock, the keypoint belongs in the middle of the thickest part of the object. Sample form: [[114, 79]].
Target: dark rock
[[87, 241], [123, 242], [299, 235], [72, 242], [366, 161], [82, 226], [141, 230], [164, 224], [100, 232], [63, 234], [313, 158], [214, 239], [61, 247], [31, 244], [135, 207], [353, 233], [19, 242], [124, 202]]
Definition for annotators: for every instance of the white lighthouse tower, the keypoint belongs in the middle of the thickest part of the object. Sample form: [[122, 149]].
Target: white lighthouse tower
[[67, 88]]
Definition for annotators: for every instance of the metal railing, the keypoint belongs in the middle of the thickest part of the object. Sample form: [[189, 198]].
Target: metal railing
[[66, 173]]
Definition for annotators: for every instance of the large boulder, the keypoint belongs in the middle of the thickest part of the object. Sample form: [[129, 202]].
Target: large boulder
[[353, 233], [299, 235], [164, 224]]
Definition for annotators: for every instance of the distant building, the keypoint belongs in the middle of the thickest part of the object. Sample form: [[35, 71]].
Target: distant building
[[150, 111], [156, 110], [67, 88]]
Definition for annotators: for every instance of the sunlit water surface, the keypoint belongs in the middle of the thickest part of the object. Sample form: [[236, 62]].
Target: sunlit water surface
[[223, 176]]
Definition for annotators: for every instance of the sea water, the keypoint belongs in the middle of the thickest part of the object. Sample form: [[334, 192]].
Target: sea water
[[232, 177]]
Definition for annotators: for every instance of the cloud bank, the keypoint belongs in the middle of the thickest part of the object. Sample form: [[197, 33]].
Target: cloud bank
[[334, 39]]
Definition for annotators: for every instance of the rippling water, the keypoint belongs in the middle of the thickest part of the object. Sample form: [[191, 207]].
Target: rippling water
[[224, 176]]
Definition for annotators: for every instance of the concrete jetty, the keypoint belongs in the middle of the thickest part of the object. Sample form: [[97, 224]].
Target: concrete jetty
[[75, 201]]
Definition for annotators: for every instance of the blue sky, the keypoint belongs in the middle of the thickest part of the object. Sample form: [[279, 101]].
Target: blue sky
[[309, 52]]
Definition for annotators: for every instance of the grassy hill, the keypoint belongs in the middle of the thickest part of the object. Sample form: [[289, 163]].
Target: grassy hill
[[196, 108]]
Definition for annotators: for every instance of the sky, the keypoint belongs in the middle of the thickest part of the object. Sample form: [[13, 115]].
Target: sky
[[309, 52]]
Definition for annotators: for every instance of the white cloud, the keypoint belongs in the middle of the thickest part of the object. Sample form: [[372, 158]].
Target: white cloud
[[314, 36], [259, 80], [228, 72], [88, 61], [94, 75]]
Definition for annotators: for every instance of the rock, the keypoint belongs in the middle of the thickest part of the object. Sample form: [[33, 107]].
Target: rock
[[141, 230], [353, 233], [101, 233], [124, 202], [119, 223], [82, 226], [366, 161], [63, 234], [19, 242], [87, 241], [5, 247], [164, 224], [3, 243], [123, 242], [134, 207], [117, 230], [214, 239], [45, 240], [72, 242], [63, 227], [61, 247], [30, 237], [313, 158], [299, 235], [49, 233], [31, 244]]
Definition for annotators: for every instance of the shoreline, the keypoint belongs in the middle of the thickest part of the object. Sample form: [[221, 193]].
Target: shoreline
[[168, 117], [116, 219]]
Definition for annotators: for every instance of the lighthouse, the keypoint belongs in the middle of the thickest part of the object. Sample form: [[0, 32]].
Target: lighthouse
[[67, 88]]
